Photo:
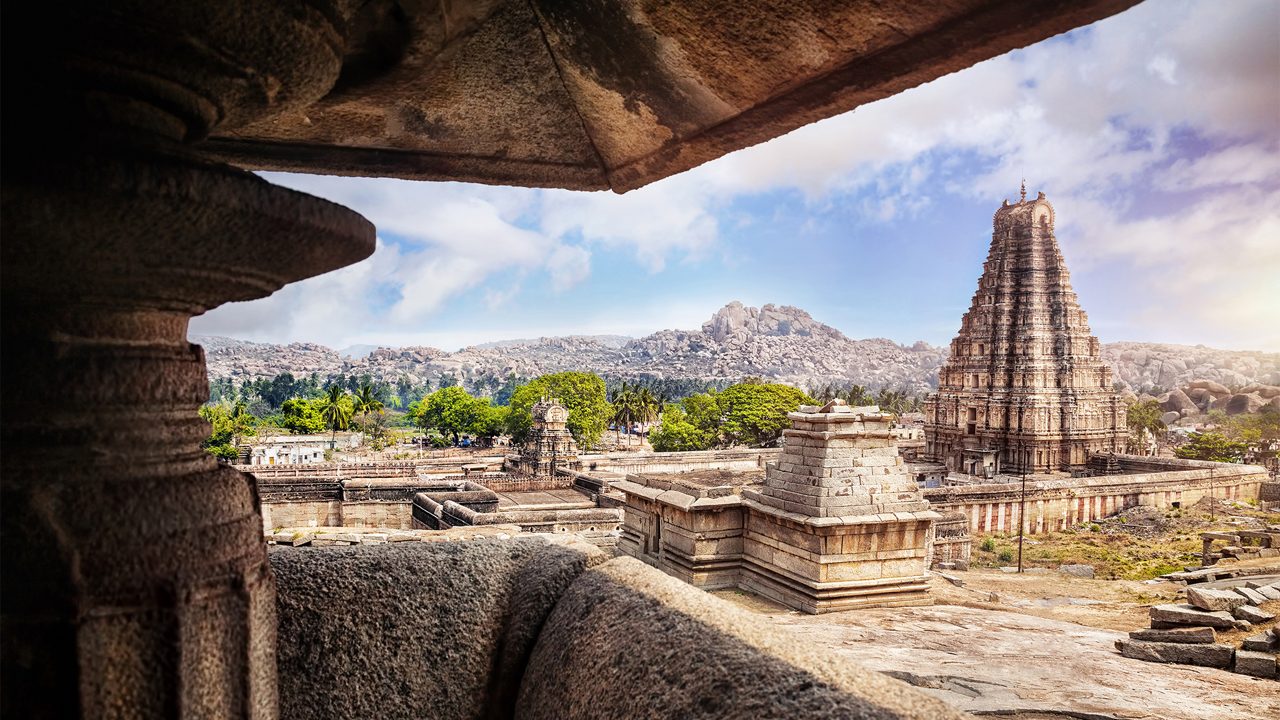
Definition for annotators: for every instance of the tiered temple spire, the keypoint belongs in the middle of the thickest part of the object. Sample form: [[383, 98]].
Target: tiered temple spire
[[1025, 388]]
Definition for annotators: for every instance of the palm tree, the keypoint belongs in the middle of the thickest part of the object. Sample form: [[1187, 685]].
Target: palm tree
[[647, 409], [858, 395], [623, 401], [366, 401], [335, 413]]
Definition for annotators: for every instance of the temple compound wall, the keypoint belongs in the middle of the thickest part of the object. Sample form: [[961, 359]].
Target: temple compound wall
[[838, 522], [1025, 388], [1055, 505]]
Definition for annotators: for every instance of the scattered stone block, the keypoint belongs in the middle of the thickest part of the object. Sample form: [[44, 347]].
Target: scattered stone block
[[1190, 615], [1262, 642], [1084, 571], [1185, 635], [1251, 614], [1214, 599], [1257, 664], [1253, 597], [1210, 655], [1269, 592], [1241, 624]]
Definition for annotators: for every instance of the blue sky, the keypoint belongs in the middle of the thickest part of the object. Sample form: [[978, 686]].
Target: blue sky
[[1155, 133]]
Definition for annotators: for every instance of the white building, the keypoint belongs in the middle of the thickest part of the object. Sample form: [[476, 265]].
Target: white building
[[296, 449]]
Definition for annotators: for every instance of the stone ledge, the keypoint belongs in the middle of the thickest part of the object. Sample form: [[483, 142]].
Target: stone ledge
[[750, 499]]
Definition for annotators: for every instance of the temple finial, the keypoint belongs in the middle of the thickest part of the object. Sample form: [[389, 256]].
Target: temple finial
[[1024, 190]]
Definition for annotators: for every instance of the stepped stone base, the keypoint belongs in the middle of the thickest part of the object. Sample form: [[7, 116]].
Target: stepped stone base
[[842, 563]]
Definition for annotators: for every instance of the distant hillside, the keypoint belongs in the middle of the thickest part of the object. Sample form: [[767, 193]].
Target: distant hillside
[[779, 343]]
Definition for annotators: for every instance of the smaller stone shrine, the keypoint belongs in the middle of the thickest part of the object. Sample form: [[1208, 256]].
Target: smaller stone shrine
[[839, 522], [550, 446]]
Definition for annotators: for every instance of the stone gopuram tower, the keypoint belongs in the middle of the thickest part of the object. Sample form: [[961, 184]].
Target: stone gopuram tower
[[1025, 388]]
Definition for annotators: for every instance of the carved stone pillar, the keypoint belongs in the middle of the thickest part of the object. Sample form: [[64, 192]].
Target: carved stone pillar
[[135, 576]]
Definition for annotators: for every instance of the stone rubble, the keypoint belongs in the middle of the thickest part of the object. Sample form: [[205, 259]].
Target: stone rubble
[[1184, 633]]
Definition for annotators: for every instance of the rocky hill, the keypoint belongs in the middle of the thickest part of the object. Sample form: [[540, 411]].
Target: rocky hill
[[780, 343]]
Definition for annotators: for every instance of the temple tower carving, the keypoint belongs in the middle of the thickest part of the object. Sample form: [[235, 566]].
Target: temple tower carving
[[1025, 388], [550, 446]]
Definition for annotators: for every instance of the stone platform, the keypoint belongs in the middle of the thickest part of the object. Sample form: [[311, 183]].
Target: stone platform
[[839, 522]]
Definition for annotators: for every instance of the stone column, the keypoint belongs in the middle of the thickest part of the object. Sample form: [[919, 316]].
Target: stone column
[[135, 576]]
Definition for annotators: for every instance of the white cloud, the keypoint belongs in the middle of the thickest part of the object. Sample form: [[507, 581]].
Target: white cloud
[[1173, 96]]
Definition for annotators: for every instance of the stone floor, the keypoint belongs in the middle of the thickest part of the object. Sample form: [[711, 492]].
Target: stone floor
[[563, 499], [1017, 665]]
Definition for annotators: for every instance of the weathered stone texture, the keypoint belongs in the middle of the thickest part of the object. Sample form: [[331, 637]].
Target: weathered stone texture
[[1214, 599], [1206, 655], [1257, 664], [1190, 635], [1190, 615], [1025, 388]]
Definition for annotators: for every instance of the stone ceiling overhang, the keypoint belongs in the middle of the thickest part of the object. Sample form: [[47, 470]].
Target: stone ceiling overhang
[[615, 94]]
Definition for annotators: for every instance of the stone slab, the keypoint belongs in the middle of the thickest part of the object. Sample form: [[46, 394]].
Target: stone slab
[[1185, 635], [1190, 615], [1252, 596], [1269, 592], [1214, 599], [1082, 571], [1262, 642], [1257, 664], [1251, 614], [1210, 655]]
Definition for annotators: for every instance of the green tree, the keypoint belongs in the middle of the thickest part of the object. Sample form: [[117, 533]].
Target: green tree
[[703, 411], [301, 417], [491, 420], [335, 410], [858, 396], [227, 425], [646, 407], [450, 410], [621, 402], [677, 434], [1212, 445], [581, 393], [1144, 415], [755, 414]]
